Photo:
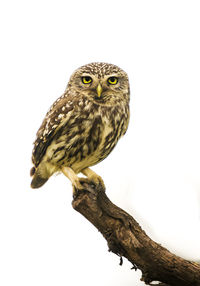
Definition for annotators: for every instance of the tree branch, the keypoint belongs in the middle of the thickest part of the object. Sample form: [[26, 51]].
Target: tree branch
[[127, 239]]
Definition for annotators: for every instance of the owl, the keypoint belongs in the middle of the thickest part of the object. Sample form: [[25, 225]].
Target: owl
[[83, 125]]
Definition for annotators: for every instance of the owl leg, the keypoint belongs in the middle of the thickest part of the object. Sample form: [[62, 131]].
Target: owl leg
[[93, 177], [71, 175]]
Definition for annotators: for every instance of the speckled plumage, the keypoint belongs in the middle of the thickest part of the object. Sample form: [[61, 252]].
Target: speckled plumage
[[81, 129]]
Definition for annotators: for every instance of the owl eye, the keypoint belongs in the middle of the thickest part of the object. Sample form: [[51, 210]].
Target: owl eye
[[86, 79], [113, 80]]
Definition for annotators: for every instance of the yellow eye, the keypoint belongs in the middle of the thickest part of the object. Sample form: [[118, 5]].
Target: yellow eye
[[86, 79], [113, 80]]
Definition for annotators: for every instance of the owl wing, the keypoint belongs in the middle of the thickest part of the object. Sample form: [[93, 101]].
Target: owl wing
[[55, 118]]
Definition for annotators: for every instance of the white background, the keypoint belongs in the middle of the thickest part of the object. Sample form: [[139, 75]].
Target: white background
[[154, 172]]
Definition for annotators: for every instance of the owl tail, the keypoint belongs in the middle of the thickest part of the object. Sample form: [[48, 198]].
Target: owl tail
[[37, 180]]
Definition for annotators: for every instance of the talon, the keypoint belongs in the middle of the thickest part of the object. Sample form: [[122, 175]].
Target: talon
[[74, 192], [93, 177], [83, 181], [98, 181], [77, 184]]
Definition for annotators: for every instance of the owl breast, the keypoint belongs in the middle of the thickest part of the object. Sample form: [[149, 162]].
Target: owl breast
[[87, 139]]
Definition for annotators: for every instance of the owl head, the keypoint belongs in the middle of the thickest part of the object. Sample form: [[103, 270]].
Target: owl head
[[102, 83]]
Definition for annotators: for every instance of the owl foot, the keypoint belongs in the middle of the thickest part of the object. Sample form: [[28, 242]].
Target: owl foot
[[92, 177], [78, 183], [97, 181], [84, 184]]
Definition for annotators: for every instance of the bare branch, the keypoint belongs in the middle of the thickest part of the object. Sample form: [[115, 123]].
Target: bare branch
[[127, 239]]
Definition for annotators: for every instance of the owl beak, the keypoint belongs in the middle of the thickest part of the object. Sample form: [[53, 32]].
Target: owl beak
[[99, 90]]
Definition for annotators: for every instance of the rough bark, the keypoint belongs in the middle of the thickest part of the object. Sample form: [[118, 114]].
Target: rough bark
[[127, 239]]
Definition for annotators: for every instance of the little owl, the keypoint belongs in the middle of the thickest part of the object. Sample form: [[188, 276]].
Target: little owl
[[82, 126]]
